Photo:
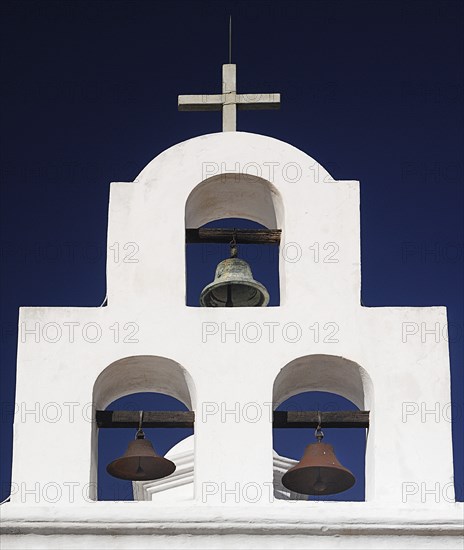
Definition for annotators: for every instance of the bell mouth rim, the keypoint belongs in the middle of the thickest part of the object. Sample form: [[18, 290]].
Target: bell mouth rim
[[112, 466], [246, 282], [348, 476]]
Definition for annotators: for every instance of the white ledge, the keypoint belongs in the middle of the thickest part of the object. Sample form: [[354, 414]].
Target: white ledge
[[296, 518]]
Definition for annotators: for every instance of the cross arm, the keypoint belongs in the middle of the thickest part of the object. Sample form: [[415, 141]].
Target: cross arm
[[212, 102], [258, 101]]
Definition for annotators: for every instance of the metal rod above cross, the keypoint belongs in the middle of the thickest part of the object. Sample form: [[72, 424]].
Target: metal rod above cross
[[229, 100]]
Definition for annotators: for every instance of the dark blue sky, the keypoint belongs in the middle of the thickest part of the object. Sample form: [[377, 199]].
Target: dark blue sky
[[372, 90]]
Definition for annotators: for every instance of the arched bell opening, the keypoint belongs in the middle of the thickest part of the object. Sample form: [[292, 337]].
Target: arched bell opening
[[348, 445], [212, 280], [164, 391], [323, 430], [233, 228], [113, 446]]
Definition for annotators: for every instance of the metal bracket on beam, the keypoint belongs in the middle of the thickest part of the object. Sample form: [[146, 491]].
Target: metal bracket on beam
[[186, 419], [242, 236]]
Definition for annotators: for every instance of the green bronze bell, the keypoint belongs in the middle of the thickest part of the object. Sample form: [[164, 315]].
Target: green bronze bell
[[234, 286]]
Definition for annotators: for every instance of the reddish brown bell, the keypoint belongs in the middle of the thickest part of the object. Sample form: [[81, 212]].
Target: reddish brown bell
[[318, 472], [140, 462]]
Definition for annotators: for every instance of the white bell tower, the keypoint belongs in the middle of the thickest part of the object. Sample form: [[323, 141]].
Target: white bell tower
[[199, 355]]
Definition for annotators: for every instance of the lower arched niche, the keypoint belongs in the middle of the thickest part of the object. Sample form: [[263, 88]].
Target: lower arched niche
[[112, 444], [134, 375], [325, 382]]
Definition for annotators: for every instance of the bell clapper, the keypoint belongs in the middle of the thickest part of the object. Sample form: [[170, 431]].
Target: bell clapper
[[229, 302], [319, 486]]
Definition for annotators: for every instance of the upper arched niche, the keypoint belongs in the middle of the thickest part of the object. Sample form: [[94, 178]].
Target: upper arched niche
[[143, 373], [234, 195], [328, 373]]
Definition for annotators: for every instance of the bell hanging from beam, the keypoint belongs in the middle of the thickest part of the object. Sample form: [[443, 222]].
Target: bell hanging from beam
[[319, 472], [140, 461], [233, 285]]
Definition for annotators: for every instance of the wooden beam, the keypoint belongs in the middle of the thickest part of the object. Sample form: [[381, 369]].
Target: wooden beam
[[185, 419], [329, 419], [242, 236], [151, 419]]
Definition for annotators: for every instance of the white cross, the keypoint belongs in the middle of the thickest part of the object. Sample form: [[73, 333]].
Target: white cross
[[229, 100]]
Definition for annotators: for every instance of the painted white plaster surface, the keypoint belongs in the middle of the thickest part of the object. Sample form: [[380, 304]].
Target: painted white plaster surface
[[179, 486], [283, 525], [383, 359]]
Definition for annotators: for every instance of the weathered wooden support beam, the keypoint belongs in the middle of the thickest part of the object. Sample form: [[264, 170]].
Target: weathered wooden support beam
[[329, 419], [185, 419], [242, 236], [151, 419]]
